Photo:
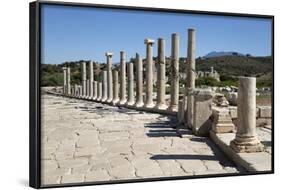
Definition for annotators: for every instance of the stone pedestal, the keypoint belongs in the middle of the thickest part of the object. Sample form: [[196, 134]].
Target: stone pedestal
[[123, 99], [246, 139], [174, 73], [130, 100], [84, 77], [109, 77], [149, 73], [115, 88], [95, 90], [91, 82], [222, 122], [139, 82], [161, 80], [104, 86], [202, 110]]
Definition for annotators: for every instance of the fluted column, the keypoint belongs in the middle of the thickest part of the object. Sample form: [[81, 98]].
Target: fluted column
[[130, 100], [91, 74], [95, 90], [246, 139], [104, 86], [64, 80], [123, 99], [174, 90], [84, 77], [109, 77], [161, 80], [149, 73], [139, 82], [115, 87]]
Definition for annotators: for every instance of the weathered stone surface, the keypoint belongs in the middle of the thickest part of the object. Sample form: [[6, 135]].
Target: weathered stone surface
[[88, 142], [265, 111]]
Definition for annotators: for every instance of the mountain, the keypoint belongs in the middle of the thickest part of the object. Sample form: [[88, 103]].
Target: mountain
[[223, 53]]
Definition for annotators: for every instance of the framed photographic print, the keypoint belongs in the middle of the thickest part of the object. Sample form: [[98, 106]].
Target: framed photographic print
[[130, 94]]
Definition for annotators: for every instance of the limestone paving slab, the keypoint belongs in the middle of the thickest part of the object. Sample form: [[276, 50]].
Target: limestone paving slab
[[85, 141]]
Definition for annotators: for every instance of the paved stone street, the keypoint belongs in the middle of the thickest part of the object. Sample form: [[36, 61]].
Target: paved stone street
[[84, 141]]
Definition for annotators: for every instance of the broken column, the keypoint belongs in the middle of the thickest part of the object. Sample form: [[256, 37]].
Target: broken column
[[109, 77], [91, 82], [130, 100], [68, 81], [191, 73], [139, 82], [64, 80], [174, 90], [161, 78], [122, 78], [246, 139], [115, 88], [84, 75], [95, 90], [104, 86], [149, 73]]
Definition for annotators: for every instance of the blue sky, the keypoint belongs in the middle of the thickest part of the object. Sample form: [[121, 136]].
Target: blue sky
[[75, 33]]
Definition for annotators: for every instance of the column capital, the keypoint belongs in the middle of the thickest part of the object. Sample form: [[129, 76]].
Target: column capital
[[108, 54], [149, 41]]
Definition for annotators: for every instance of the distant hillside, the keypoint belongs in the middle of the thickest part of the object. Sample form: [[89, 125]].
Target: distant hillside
[[223, 53], [237, 65], [229, 68]]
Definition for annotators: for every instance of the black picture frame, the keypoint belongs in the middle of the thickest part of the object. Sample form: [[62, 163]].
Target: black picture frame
[[35, 93]]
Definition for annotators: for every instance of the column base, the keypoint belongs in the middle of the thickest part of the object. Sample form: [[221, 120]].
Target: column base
[[161, 107], [246, 144], [173, 108], [122, 102], [139, 104], [131, 103], [114, 102], [149, 105], [103, 99], [109, 100]]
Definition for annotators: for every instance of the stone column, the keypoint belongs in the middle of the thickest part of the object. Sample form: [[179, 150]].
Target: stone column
[[64, 80], [139, 82], [246, 139], [149, 73], [191, 74], [123, 78], [95, 90], [68, 81], [109, 77], [115, 88], [87, 88], [91, 74], [84, 76], [104, 86], [130, 100], [161, 80], [99, 92], [212, 70], [174, 90]]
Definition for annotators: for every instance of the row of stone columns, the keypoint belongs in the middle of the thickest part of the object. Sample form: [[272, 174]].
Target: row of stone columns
[[109, 90]]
